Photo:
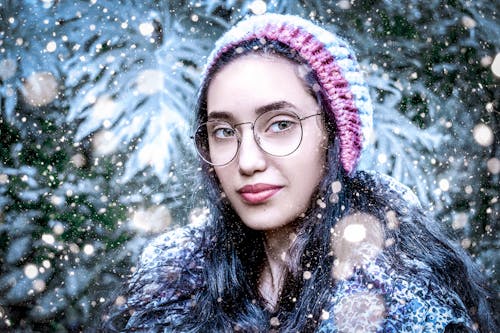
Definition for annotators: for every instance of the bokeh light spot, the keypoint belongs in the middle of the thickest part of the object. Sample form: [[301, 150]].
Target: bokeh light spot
[[382, 158], [48, 238], [51, 46], [336, 187], [146, 29], [78, 160], [468, 22], [274, 321], [120, 300], [466, 243], [325, 314], [486, 61], [483, 134], [46, 264], [460, 221], [258, 7], [493, 165], [151, 220], [150, 82], [321, 203], [58, 228], [344, 4], [8, 68], [75, 249], [198, 215], [31, 271], [104, 142], [354, 233], [468, 189], [39, 285], [56, 200], [356, 240], [495, 65], [4, 179], [104, 107], [40, 89], [444, 185], [88, 249], [392, 220]]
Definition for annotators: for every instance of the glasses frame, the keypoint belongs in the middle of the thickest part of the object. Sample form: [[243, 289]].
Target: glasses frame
[[256, 138]]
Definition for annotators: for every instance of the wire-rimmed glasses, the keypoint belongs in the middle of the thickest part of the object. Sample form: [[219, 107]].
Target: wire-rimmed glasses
[[276, 132]]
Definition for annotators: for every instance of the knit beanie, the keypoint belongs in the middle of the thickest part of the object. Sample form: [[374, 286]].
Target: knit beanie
[[334, 64]]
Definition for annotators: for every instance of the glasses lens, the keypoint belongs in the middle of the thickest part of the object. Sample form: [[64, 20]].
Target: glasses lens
[[216, 142], [279, 133]]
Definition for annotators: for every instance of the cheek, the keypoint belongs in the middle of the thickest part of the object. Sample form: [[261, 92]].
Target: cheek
[[315, 163], [314, 150], [224, 177], [308, 170]]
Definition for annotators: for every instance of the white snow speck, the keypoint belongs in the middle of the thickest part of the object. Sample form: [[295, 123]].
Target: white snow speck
[[258, 7], [483, 134], [495, 65], [146, 29], [31, 271], [51, 46]]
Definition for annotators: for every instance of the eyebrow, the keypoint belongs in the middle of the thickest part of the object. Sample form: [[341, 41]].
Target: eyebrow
[[260, 110]]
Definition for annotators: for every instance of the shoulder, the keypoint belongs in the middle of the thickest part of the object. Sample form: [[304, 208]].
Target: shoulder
[[171, 262], [168, 274], [392, 184], [172, 247], [375, 298], [384, 185]]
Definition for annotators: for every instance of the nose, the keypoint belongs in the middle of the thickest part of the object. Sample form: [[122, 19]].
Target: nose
[[250, 157]]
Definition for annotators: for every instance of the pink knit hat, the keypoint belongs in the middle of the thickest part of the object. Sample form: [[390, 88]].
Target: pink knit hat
[[335, 66]]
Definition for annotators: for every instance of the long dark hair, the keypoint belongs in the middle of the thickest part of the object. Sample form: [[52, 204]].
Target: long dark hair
[[228, 299]]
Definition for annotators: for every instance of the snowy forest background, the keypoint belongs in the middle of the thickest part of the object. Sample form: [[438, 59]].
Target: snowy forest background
[[95, 156]]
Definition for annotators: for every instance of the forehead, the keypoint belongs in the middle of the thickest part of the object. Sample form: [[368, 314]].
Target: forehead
[[252, 81]]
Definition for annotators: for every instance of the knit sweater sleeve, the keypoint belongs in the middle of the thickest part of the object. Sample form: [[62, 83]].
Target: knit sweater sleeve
[[168, 274], [375, 300]]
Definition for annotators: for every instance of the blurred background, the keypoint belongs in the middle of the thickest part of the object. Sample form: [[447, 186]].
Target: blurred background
[[96, 103]]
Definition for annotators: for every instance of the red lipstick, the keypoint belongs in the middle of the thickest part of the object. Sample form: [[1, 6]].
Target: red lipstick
[[258, 193]]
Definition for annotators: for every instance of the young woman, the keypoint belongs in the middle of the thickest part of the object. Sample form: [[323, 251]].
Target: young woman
[[296, 239]]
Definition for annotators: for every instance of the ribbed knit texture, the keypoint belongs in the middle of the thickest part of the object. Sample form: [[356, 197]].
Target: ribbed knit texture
[[335, 66]]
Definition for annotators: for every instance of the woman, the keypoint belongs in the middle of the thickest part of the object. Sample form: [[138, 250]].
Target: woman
[[297, 240]]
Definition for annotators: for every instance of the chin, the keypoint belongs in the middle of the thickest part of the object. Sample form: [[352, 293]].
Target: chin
[[266, 223]]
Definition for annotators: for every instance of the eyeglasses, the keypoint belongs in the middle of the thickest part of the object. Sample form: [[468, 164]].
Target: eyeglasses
[[277, 132]]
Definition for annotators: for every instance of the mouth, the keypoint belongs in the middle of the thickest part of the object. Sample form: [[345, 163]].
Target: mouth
[[258, 193]]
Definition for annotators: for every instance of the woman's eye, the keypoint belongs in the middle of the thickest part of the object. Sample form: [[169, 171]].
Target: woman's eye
[[223, 133], [280, 126]]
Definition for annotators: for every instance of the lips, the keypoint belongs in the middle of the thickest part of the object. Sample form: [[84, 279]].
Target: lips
[[258, 193]]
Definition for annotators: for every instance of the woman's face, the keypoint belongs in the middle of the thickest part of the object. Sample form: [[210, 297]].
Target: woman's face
[[266, 191]]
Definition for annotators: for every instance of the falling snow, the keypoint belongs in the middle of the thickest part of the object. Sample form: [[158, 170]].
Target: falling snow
[[96, 99]]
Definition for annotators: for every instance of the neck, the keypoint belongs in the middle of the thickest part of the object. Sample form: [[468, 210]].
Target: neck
[[277, 242]]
